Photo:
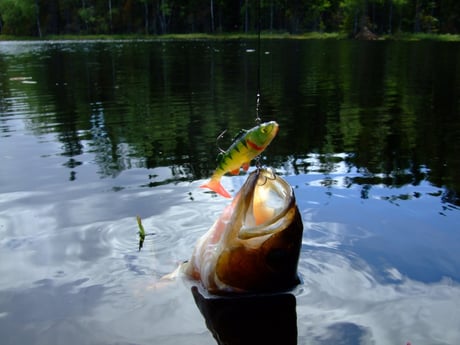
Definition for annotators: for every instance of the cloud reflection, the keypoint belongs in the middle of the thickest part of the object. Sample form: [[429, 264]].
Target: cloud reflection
[[344, 301], [48, 313]]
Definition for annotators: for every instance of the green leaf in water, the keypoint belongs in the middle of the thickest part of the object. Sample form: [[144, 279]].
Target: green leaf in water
[[141, 232]]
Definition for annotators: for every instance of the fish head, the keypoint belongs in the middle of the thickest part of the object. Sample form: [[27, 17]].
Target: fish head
[[254, 246], [263, 134]]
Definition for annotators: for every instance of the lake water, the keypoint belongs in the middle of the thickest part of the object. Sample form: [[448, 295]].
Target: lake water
[[94, 133]]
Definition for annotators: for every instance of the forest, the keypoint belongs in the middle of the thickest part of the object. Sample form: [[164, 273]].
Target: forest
[[42, 18]]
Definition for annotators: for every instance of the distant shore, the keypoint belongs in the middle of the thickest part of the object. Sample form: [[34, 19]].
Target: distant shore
[[232, 36]]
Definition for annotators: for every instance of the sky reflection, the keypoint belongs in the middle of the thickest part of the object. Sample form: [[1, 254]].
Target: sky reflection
[[342, 301]]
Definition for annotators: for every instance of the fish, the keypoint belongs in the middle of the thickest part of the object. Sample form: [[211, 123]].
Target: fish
[[244, 149], [254, 246]]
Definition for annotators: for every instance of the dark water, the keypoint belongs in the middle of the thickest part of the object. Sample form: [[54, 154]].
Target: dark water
[[94, 133]]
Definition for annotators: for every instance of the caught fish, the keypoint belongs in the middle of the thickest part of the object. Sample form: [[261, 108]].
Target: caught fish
[[255, 244], [244, 149]]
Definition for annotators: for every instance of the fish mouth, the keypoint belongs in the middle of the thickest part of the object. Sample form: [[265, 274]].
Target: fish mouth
[[262, 248], [268, 202], [254, 246]]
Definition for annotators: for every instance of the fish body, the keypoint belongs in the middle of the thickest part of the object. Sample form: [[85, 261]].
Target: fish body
[[244, 149], [254, 246]]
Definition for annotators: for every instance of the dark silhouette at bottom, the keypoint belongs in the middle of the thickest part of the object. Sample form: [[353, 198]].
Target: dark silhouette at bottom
[[249, 319]]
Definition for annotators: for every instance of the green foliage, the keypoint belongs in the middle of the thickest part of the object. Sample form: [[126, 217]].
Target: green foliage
[[87, 15], [17, 16], [25, 17]]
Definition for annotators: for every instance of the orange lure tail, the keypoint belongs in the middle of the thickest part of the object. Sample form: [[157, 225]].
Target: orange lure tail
[[216, 186]]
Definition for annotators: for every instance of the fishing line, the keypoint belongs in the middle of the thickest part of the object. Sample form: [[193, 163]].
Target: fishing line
[[258, 119]]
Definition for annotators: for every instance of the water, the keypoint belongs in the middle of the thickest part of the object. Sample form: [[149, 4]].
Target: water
[[94, 133]]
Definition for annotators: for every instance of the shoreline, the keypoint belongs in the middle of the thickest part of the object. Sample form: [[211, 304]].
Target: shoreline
[[234, 36]]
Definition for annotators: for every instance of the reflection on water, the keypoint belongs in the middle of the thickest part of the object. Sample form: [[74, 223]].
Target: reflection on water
[[161, 104], [260, 319], [352, 292], [344, 302], [94, 133]]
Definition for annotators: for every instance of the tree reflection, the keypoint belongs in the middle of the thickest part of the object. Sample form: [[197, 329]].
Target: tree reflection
[[385, 110]]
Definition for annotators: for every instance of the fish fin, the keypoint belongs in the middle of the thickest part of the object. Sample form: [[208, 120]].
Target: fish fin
[[245, 166], [217, 187], [235, 171]]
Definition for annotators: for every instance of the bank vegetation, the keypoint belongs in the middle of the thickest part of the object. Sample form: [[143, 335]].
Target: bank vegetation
[[301, 18]]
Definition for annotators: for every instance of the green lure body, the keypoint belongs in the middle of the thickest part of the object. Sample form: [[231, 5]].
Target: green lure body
[[244, 149]]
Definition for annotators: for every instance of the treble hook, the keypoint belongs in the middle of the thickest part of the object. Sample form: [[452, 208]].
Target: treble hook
[[219, 137], [258, 163]]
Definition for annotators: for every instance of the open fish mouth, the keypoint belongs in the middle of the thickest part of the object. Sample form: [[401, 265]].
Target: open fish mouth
[[268, 202], [255, 244]]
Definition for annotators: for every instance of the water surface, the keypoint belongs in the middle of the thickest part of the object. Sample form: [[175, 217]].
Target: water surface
[[94, 133]]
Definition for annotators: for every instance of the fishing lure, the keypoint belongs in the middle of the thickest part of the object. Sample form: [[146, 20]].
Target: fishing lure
[[245, 148]]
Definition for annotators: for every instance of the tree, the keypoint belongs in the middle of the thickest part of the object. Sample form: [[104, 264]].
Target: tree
[[18, 16], [399, 4], [354, 13], [164, 15], [37, 17]]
